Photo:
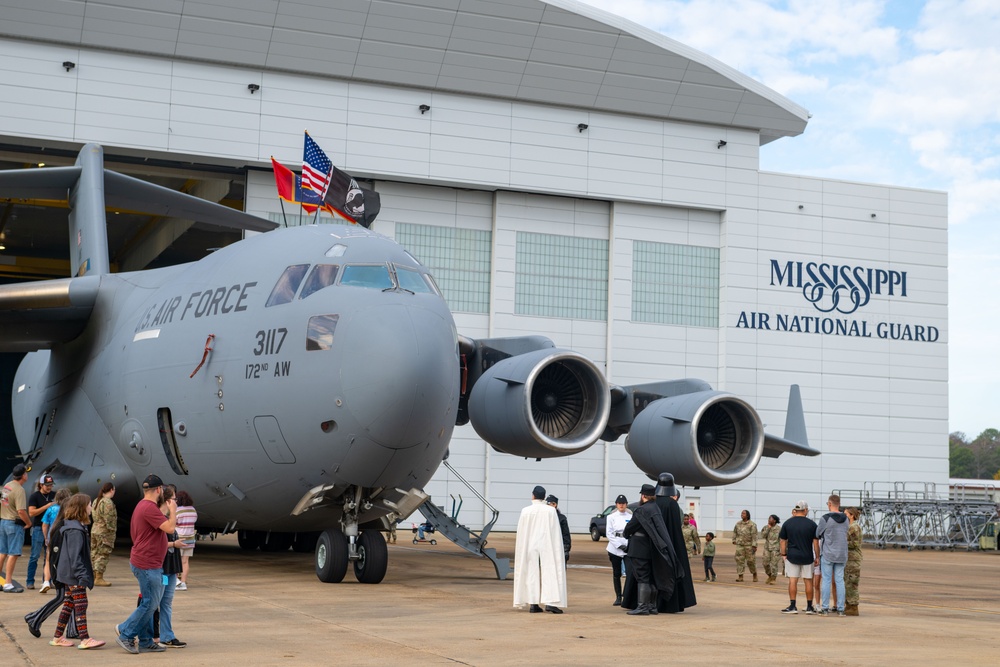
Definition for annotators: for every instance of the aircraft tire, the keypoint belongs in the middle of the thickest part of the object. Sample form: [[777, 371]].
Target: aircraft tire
[[249, 539], [331, 556], [370, 568]]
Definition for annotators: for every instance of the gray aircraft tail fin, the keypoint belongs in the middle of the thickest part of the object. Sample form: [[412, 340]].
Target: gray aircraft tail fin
[[88, 225], [90, 188]]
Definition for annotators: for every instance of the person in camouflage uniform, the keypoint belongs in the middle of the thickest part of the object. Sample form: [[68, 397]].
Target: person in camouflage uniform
[[691, 540], [745, 539], [103, 531], [772, 548], [852, 571]]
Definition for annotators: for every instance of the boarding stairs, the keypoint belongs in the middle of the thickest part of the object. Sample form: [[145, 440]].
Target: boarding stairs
[[448, 526]]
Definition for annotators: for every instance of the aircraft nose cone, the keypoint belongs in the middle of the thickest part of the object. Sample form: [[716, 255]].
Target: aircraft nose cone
[[399, 373]]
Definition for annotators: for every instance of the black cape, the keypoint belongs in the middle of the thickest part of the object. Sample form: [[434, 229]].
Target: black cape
[[649, 519], [683, 596]]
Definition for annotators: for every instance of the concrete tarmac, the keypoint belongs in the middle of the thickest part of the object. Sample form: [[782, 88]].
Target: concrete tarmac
[[441, 606]]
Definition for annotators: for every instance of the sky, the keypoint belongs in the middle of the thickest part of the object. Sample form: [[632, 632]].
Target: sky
[[901, 92]]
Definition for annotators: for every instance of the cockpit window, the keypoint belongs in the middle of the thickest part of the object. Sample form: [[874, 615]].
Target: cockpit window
[[412, 280], [336, 250], [284, 290], [319, 333], [374, 276], [322, 275]]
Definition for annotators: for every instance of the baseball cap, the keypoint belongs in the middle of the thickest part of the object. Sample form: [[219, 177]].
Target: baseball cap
[[801, 506], [621, 499], [151, 482], [552, 499], [47, 479]]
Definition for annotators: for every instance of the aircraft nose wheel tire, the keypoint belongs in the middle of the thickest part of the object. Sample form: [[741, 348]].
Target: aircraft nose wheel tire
[[374, 557], [331, 556]]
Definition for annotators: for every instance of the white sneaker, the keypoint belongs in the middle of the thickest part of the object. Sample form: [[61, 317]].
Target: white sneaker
[[181, 586], [45, 587]]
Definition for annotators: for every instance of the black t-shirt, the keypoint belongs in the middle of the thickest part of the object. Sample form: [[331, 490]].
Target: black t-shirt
[[38, 499], [800, 533]]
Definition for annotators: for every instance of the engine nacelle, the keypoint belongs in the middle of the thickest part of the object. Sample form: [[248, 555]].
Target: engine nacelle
[[541, 404], [706, 438]]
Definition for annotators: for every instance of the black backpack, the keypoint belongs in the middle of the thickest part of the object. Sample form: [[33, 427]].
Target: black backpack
[[55, 543]]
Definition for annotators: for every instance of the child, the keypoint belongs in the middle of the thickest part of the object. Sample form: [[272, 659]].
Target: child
[[708, 554]]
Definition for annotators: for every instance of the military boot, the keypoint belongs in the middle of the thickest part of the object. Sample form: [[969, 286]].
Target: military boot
[[739, 578], [642, 608], [851, 610], [755, 576], [100, 581], [654, 600]]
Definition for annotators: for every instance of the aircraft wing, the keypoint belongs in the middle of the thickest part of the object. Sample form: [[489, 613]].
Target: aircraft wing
[[126, 192], [37, 315], [528, 398]]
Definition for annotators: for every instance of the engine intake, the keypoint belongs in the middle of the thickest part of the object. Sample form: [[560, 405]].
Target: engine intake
[[703, 438], [541, 404]]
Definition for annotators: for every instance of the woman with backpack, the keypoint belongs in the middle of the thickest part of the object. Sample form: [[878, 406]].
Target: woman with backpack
[[75, 571]]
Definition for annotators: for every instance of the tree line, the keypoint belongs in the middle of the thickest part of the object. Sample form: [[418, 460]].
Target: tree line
[[978, 458]]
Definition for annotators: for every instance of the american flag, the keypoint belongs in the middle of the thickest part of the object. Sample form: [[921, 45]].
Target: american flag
[[315, 167]]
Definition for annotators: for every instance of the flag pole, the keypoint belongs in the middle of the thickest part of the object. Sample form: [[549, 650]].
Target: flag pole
[[283, 216]]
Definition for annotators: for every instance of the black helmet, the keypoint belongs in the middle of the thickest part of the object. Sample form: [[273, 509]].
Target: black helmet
[[665, 485]]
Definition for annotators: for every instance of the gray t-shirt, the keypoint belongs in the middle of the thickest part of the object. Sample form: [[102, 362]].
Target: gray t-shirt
[[832, 531]]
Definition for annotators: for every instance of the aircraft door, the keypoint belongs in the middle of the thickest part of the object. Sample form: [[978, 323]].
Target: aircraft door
[[269, 434]]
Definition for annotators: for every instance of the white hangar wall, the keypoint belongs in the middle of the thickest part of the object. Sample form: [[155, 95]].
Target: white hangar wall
[[875, 407]]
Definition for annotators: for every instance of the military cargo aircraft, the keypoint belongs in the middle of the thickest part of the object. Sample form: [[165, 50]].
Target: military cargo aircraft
[[305, 382]]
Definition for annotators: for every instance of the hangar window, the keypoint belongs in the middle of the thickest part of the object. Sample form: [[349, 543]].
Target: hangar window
[[458, 258], [284, 290], [322, 275], [675, 284], [561, 276], [319, 333]]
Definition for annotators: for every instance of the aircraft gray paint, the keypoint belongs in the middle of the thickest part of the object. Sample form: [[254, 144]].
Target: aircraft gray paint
[[309, 379]]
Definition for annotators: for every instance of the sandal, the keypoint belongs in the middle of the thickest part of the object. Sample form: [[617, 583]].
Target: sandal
[[60, 641], [90, 643]]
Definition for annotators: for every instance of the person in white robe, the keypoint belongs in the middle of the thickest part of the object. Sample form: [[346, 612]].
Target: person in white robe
[[539, 565]]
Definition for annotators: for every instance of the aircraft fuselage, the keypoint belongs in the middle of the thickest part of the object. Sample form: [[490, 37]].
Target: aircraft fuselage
[[320, 355]]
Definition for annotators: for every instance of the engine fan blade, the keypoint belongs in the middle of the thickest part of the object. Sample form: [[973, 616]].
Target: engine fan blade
[[716, 437]]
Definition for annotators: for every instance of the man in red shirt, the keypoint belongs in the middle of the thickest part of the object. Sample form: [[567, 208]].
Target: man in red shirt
[[149, 545]]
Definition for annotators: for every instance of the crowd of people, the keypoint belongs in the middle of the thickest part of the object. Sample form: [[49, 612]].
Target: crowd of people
[[72, 538], [652, 547], [648, 547]]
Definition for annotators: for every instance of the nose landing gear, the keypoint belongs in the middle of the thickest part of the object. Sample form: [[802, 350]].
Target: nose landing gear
[[337, 546]]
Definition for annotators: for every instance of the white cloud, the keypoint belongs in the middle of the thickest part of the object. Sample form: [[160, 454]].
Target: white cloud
[[916, 105]]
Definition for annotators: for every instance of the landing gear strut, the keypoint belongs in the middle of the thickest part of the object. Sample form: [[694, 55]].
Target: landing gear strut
[[337, 546]]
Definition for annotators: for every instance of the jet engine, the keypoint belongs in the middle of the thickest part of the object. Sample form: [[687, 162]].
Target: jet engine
[[705, 438], [541, 404]]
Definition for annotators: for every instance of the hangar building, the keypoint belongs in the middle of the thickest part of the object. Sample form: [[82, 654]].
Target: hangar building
[[563, 171]]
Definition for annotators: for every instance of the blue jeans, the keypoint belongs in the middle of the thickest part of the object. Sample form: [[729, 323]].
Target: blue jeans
[[167, 608], [37, 545], [836, 572], [11, 538], [140, 623]]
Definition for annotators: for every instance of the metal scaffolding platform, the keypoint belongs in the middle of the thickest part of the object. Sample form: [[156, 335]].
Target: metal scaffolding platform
[[915, 515]]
